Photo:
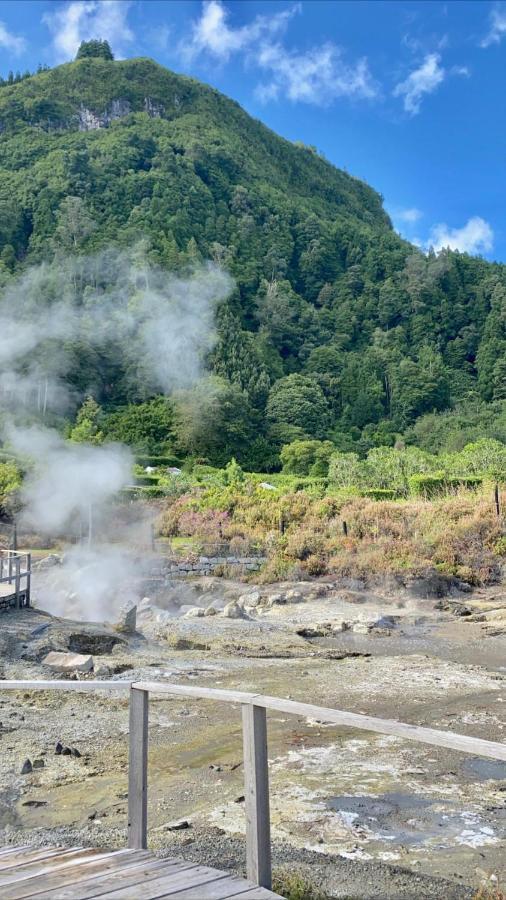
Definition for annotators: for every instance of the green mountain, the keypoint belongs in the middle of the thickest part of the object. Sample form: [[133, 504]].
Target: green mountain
[[337, 329]]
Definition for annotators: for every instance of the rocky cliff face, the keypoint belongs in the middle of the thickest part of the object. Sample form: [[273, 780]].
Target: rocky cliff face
[[89, 120]]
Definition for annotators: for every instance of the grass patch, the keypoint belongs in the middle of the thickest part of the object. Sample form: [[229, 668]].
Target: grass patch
[[297, 886]]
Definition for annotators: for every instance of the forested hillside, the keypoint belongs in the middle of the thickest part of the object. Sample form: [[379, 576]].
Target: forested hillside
[[337, 328]]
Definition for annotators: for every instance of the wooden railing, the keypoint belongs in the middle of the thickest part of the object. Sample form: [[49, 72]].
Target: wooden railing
[[254, 726], [16, 573]]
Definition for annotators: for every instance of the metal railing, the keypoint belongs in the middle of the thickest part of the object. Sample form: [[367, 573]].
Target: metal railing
[[254, 728], [15, 578]]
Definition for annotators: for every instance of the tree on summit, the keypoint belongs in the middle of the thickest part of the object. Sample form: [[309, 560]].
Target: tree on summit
[[95, 50]]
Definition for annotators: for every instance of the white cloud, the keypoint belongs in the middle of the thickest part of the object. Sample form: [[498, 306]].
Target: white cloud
[[423, 80], [476, 236], [497, 27], [319, 75], [84, 20], [212, 34], [410, 215], [13, 42]]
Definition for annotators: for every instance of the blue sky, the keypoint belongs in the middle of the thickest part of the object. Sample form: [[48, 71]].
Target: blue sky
[[408, 96]]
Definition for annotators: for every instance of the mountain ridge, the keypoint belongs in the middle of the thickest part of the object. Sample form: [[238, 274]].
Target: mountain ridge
[[332, 307]]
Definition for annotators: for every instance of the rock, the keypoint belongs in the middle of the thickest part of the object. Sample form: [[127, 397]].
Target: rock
[[339, 627], [361, 628], [276, 599], [68, 662], [127, 621], [66, 751], [234, 611], [27, 767], [145, 604], [58, 749], [313, 631], [210, 611], [252, 599], [38, 764], [293, 596], [457, 609], [433, 584], [102, 671], [75, 752], [48, 562], [196, 612], [181, 825]]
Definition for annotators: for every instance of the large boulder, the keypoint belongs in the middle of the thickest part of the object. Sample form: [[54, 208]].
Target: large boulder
[[196, 612], [68, 662], [234, 611], [127, 619]]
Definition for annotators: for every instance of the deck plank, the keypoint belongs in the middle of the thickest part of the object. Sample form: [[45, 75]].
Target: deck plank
[[119, 860], [233, 886], [167, 883], [50, 873], [87, 888], [24, 857], [46, 866]]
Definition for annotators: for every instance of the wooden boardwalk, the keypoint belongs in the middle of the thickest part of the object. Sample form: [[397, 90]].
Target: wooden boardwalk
[[81, 874]]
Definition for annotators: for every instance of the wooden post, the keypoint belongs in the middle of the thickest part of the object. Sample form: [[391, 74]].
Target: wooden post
[[256, 783], [17, 581], [28, 578], [138, 770], [345, 528], [497, 500]]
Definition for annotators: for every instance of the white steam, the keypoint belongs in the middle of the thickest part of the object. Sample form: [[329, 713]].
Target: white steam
[[112, 309]]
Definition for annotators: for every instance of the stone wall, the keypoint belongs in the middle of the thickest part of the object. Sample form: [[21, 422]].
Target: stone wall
[[206, 565]]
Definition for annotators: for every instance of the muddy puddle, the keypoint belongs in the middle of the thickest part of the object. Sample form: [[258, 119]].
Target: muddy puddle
[[417, 821], [451, 641]]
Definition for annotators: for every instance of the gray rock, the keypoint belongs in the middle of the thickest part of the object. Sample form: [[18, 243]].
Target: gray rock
[[251, 599], [196, 612], [38, 764], [210, 611], [127, 620], [181, 825], [27, 767], [234, 611], [68, 662]]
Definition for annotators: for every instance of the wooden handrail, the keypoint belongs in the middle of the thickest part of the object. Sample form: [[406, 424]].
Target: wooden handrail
[[254, 725]]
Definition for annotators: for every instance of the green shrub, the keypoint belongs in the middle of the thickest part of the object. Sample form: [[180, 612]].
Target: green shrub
[[431, 486], [158, 461], [380, 494]]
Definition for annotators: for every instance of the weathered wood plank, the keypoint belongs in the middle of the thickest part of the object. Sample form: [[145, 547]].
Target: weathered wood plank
[[165, 884], [133, 876], [4, 851], [200, 693], [256, 784], [449, 739], [44, 866], [119, 860], [21, 856], [59, 685], [138, 770], [232, 886]]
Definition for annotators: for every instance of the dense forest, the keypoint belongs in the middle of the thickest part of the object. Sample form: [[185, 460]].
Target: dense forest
[[336, 329]]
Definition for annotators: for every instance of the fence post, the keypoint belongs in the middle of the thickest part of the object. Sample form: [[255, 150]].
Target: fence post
[[28, 578], [138, 770], [256, 784], [17, 582]]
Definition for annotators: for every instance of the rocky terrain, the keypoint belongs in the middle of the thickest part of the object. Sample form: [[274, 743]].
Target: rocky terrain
[[367, 815]]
